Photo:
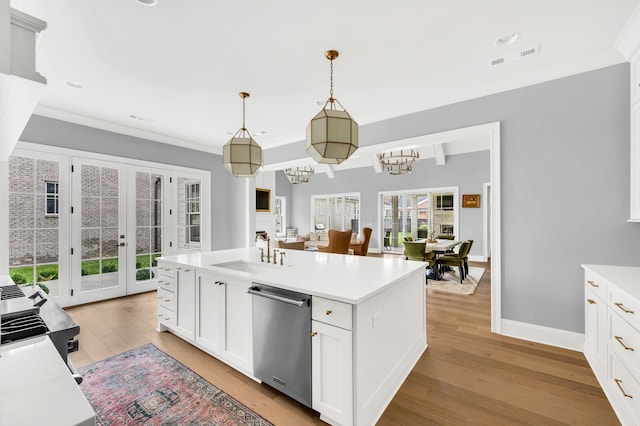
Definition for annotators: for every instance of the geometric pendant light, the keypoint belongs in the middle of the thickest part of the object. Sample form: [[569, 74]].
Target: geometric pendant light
[[242, 156], [332, 135]]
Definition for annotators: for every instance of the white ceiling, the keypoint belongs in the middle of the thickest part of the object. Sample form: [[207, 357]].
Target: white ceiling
[[181, 64]]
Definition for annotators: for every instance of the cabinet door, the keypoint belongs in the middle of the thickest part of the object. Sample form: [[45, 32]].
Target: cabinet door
[[186, 302], [331, 372], [209, 312], [237, 347], [595, 329]]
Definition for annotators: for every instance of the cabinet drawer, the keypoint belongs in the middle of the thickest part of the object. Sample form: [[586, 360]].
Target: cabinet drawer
[[166, 269], [331, 312], [167, 299], [166, 317], [167, 283], [627, 307], [596, 284], [626, 389]]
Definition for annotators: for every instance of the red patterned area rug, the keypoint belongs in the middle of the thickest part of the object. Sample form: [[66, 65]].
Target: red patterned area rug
[[147, 386]]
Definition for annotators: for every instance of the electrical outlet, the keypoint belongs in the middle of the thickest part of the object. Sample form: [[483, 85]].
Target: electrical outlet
[[375, 319]]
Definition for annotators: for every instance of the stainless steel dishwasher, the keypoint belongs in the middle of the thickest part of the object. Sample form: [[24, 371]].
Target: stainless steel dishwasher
[[282, 340]]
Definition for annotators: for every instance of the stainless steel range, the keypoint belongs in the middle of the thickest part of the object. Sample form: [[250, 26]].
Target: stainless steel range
[[26, 312]]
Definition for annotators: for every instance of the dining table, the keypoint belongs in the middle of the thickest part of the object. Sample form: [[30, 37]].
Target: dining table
[[438, 248]]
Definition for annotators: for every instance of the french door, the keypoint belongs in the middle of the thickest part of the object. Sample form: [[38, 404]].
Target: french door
[[99, 232]]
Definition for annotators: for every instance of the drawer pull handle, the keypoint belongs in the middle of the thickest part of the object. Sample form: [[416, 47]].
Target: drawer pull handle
[[219, 282], [593, 284], [314, 333], [183, 270], [329, 311], [619, 339], [625, 310], [591, 301], [619, 383]]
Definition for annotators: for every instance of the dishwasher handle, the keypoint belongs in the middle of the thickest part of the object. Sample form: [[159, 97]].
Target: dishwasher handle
[[258, 291]]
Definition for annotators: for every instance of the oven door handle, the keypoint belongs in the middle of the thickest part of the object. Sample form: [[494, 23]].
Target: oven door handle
[[40, 302]]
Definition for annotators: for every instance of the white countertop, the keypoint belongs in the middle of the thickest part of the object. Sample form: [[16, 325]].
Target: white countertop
[[36, 387], [346, 278], [626, 278]]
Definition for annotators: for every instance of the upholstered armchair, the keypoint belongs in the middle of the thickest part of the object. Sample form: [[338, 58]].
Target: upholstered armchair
[[338, 242], [361, 248], [416, 250]]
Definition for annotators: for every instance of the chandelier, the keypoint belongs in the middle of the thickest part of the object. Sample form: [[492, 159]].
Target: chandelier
[[399, 163], [298, 174], [242, 156], [332, 135]]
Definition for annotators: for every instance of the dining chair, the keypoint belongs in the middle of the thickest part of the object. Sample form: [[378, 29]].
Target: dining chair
[[338, 242], [457, 259]]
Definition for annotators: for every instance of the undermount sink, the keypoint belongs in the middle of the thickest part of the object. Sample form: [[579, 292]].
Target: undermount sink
[[244, 266]]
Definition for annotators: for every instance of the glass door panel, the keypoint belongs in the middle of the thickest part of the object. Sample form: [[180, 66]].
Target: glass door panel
[[188, 211], [149, 229], [99, 226], [35, 223]]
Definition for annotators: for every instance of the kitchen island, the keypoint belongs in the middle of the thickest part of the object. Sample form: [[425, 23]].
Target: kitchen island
[[368, 319]]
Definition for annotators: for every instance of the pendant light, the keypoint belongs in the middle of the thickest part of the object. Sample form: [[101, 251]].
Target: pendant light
[[399, 163], [299, 174], [242, 156], [332, 135]]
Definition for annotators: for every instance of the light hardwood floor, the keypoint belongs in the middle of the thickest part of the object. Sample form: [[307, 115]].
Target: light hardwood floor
[[466, 376]]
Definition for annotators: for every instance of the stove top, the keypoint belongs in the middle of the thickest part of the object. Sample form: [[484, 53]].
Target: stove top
[[11, 292], [22, 327]]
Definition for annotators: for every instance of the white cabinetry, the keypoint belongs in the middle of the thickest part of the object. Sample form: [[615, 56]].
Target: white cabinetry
[[166, 296], [186, 302], [595, 329], [612, 335], [223, 319], [332, 360]]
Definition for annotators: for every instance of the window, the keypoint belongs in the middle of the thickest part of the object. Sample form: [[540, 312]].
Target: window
[[337, 211], [444, 202], [193, 212], [51, 199]]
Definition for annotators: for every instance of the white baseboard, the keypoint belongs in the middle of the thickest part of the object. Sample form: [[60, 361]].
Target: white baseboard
[[545, 335], [477, 258]]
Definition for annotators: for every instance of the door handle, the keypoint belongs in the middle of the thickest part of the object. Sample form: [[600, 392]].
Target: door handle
[[121, 245]]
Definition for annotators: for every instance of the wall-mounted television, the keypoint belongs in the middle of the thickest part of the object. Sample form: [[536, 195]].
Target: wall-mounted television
[[263, 200]]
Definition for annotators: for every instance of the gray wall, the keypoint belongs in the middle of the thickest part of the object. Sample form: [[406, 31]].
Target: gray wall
[[466, 171], [58, 133], [565, 184]]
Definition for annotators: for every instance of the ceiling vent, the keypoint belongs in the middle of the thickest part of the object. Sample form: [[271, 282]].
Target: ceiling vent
[[515, 56]]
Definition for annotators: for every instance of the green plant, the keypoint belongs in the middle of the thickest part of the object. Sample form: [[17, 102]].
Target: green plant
[[18, 278], [143, 274], [109, 267], [138, 265], [84, 272], [42, 286]]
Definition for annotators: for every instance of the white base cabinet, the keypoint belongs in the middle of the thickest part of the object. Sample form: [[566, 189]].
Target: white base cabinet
[[213, 311], [612, 335], [332, 361], [186, 302]]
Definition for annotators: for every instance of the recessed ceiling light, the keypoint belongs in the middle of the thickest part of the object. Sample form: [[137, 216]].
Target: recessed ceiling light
[[74, 84], [148, 2], [261, 132], [506, 39]]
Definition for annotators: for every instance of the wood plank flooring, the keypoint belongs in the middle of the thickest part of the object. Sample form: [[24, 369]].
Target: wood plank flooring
[[466, 376]]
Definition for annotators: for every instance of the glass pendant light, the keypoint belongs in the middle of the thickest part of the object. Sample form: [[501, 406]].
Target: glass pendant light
[[242, 156]]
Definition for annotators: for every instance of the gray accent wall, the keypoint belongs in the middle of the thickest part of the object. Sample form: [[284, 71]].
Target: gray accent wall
[[565, 185], [48, 131], [466, 171]]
